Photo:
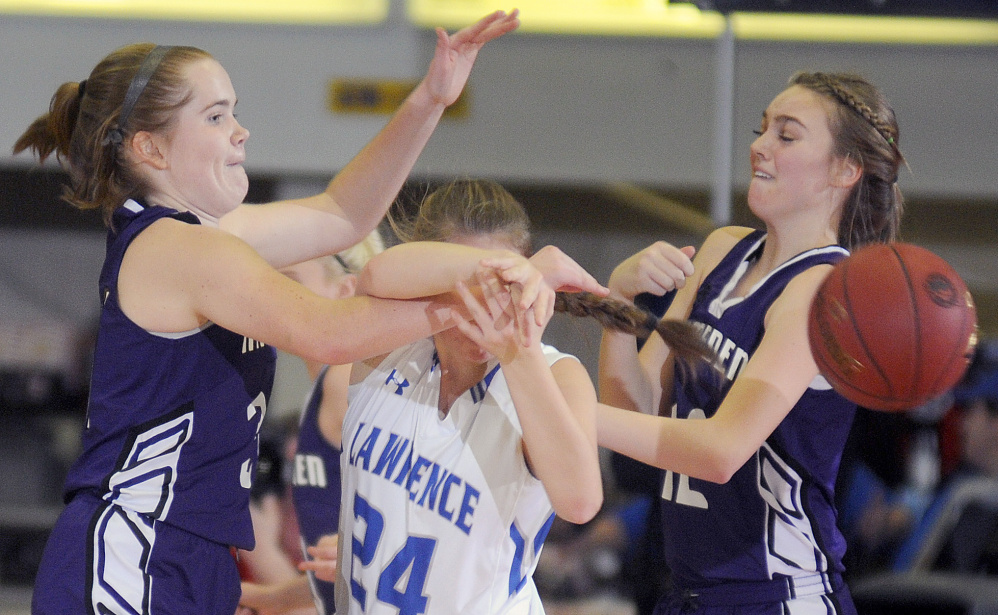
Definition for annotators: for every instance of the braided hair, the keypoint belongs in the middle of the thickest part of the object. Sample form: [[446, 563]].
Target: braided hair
[[473, 207], [865, 129], [683, 338]]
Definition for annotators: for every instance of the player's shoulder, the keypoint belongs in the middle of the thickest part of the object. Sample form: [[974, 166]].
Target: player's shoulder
[[719, 242], [802, 287], [726, 237]]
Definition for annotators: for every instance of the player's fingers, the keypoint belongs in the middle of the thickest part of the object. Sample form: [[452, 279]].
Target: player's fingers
[[491, 290], [498, 27], [469, 329], [324, 570], [473, 31], [475, 309]]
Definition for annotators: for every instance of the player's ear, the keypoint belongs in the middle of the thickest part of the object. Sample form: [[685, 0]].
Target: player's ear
[[147, 148], [846, 171]]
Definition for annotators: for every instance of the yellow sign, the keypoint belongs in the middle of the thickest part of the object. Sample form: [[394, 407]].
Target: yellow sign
[[367, 96]]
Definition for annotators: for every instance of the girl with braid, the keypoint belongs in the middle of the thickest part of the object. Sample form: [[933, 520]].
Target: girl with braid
[[459, 449], [751, 448]]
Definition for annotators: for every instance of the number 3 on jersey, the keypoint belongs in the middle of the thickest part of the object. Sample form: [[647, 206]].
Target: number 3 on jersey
[[683, 493], [413, 558]]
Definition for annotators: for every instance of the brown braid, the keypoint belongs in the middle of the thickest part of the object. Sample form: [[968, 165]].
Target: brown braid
[[886, 130], [682, 337]]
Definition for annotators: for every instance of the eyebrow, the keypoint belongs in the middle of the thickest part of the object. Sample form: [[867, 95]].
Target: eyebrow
[[784, 119], [224, 102]]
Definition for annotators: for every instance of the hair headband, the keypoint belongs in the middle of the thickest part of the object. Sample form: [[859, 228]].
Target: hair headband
[[135, 88], [833, 87]]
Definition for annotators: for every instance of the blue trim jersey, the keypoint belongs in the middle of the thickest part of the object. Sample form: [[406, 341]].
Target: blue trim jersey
[[776, 516], [316, 490], [439, 514]]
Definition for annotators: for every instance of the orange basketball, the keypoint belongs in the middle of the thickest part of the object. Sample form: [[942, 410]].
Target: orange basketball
[[892, 327]]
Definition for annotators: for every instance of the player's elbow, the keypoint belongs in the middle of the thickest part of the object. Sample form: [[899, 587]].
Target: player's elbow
[[367, 278], [335, 350], [720, 466], [581, 507]]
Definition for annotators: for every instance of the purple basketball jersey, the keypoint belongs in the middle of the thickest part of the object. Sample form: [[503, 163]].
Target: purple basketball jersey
[[776, 515], [316, 489]]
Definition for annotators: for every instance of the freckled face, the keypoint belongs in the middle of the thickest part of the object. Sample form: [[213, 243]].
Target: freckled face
[[792, 156], [206, 145]]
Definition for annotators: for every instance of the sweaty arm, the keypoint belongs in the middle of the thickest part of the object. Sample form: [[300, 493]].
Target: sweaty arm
[[772, 381]]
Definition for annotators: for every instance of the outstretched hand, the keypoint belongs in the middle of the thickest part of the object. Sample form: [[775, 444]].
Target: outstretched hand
[[658, 269], [455, 55]]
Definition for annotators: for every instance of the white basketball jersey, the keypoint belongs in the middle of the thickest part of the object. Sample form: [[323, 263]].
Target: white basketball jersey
[[439, 515]]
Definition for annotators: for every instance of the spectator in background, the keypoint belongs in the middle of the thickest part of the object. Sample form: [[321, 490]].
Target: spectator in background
[[976, 402]]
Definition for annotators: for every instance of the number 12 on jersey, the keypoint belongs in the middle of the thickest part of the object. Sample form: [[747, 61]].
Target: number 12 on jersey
[[683, 493]]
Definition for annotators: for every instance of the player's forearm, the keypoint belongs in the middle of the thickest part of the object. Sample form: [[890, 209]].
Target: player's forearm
[[421, 268], [623, 382], [357, 328], [369, 183], [559, 438]]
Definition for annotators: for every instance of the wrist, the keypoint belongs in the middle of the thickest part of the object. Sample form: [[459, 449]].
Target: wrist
[[523, 357], [619, 295], [422, 99]]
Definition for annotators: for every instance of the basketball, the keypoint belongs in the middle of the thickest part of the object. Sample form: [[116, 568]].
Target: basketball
[[892, 327]]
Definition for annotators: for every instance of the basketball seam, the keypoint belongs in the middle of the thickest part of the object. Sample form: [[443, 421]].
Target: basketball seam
[[959, 350], [891, 397], [917, 326]]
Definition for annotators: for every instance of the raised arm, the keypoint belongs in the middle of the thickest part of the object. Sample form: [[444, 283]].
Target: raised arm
[[357, 198]]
